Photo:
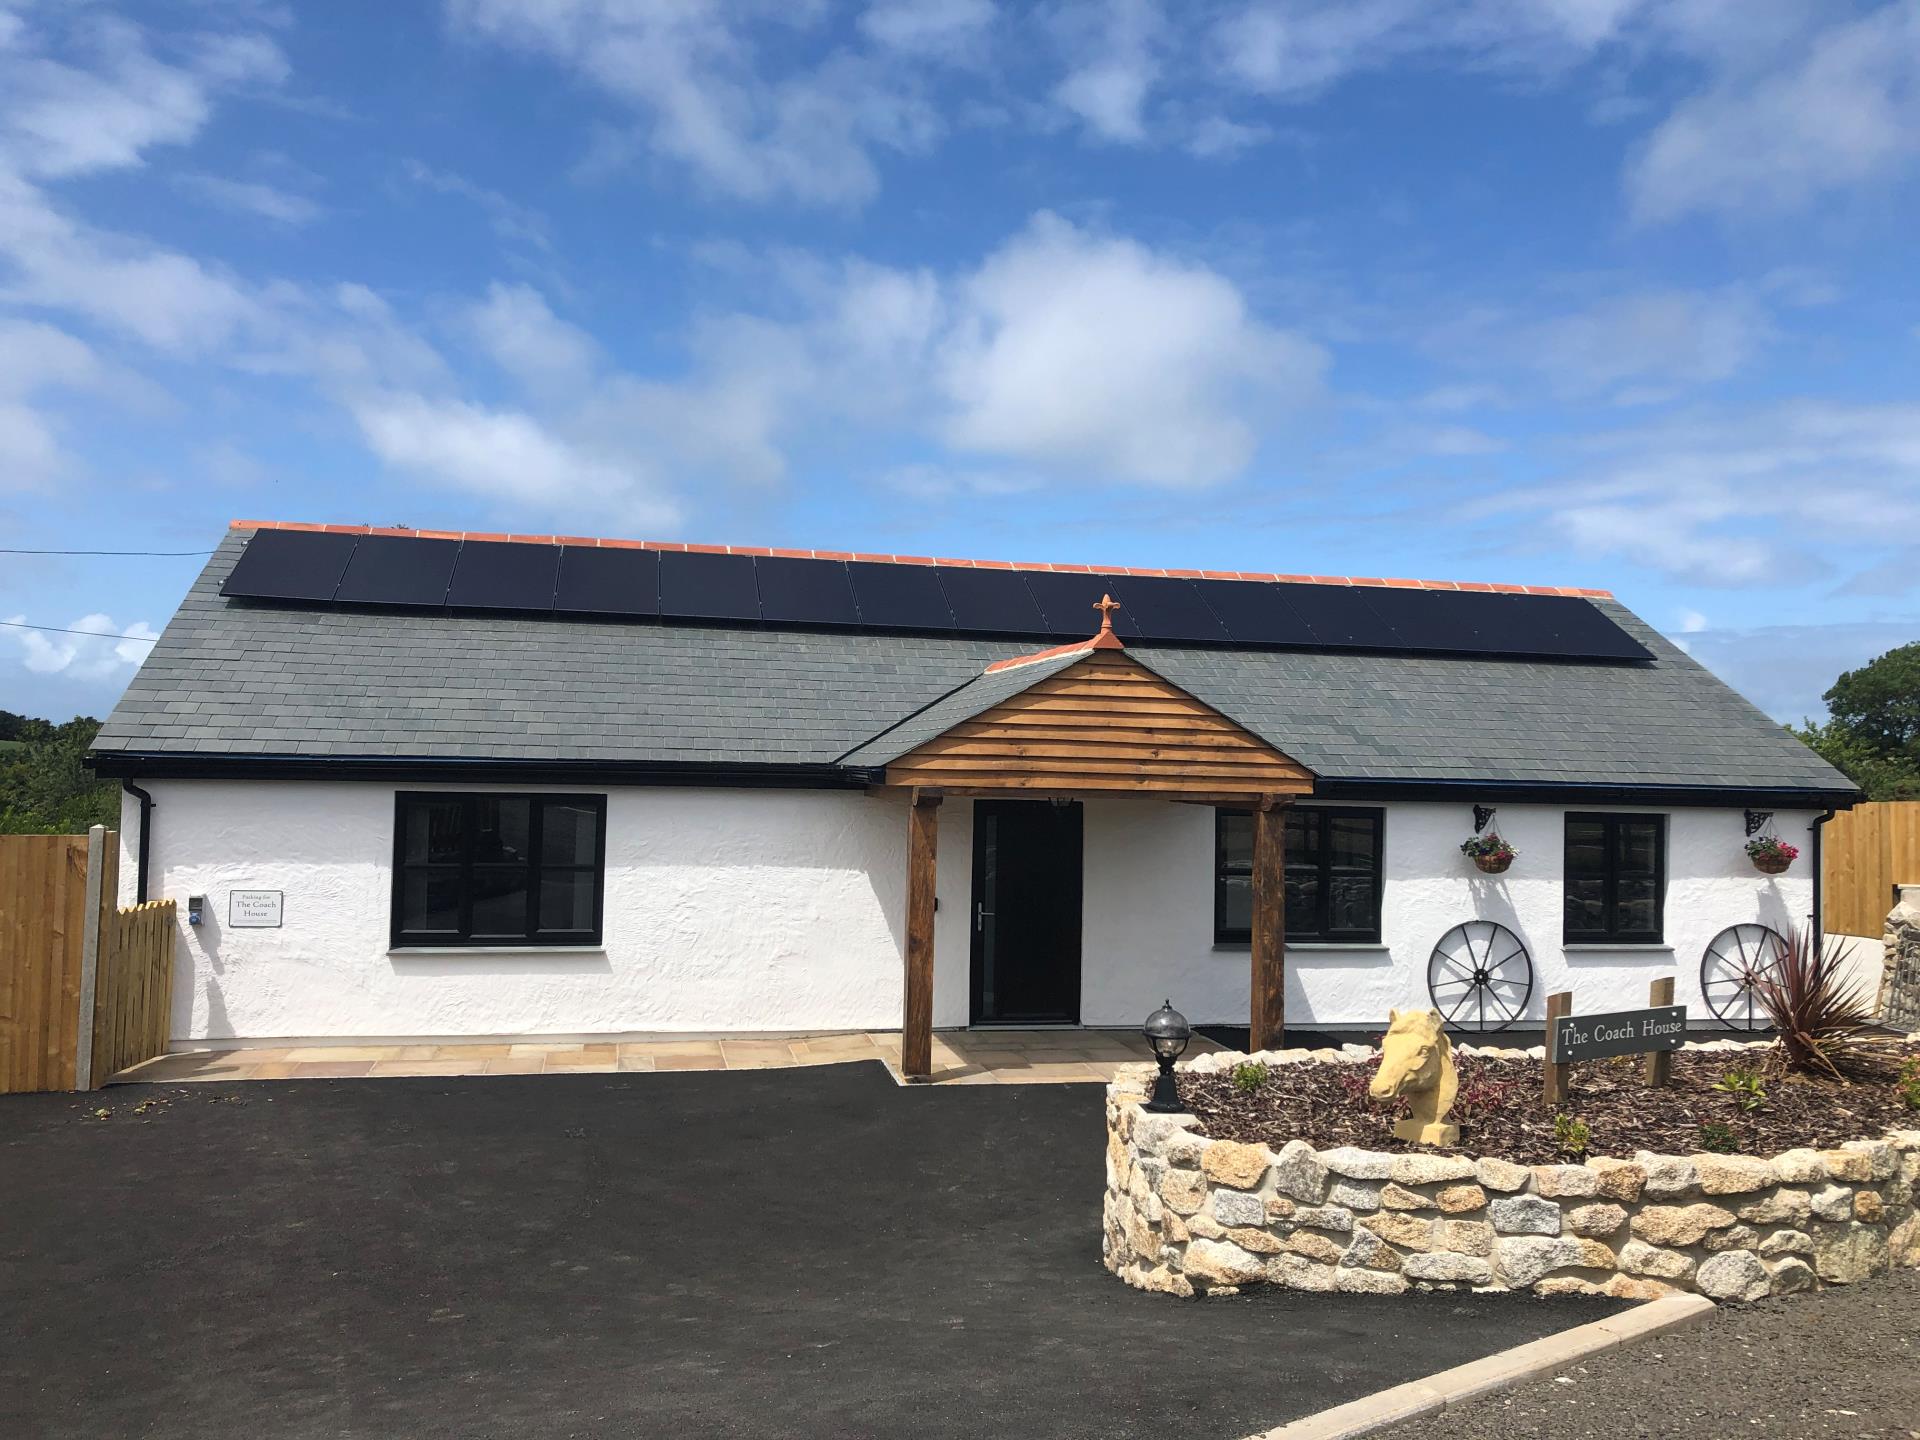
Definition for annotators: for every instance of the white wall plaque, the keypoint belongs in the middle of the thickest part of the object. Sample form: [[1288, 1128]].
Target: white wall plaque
[[254, 909]]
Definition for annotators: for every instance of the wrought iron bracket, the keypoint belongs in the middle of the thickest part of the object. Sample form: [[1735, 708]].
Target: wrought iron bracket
[[1483, 813], [1757, 820]]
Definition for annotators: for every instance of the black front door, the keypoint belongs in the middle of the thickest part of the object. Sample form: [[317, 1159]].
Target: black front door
[[1026, 913]]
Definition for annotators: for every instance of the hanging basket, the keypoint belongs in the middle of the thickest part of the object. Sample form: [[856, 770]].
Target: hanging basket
[[1772, 863], [1494, 864]]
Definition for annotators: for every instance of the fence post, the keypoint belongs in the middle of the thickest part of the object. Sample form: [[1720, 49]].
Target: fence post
[[97, 903], [1554, 1082], [1660, 1062]]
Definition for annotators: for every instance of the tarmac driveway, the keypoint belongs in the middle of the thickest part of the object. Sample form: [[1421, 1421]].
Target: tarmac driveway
[[780, 1253]]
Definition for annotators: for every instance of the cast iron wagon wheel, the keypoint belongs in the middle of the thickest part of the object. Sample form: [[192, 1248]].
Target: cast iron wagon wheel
[[1480, 976], [1737, 960]]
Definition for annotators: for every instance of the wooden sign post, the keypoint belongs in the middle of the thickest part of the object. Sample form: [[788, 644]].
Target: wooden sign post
[[1555, 1087], [1660, 1062]]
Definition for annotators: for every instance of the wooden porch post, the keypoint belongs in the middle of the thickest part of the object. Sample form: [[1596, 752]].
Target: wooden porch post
[[916, 1017], [1268, 1014]]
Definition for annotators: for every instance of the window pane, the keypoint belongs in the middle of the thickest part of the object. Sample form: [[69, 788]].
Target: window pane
[[1236, 905], [1637, 909], [1586, 850], [1303, 838], [1350, 903], [566, 901], [1638, 847], [568, 835], [1303, 901], [1236, 842], [432, 831], [430, 901], [1351, 841], [499, 900], [501, 828], [1586, 905]]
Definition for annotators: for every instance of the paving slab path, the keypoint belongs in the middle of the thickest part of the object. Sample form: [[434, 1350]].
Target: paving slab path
[[1841, 1363], [800, 1252]]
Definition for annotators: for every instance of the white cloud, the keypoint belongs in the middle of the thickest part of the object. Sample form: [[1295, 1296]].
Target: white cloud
[[707, 99], [933, 29], [249, 197], [1692, 622], [502, 454], [511, 221], [1843, 109], [1111, 47], [90, 656], [521, 335], [1099, 355]]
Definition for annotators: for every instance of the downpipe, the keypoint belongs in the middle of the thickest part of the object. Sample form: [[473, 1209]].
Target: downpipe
[[146, 832]]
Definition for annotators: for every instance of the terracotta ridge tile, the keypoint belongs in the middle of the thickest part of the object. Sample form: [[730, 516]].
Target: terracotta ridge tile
[[1014, 662]]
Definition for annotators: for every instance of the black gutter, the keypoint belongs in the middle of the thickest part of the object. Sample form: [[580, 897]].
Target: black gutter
[[146, 829], [1817, 922], [1528, 792], [161, 765]]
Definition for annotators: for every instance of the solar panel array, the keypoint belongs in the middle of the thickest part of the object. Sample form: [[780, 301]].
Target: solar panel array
[[318, 568]]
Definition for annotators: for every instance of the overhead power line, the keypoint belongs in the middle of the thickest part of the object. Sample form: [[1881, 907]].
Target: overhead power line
[[65, 630], [4, 551]]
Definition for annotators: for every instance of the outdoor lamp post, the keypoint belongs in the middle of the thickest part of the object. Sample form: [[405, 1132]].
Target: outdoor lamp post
[[1167, 1032]]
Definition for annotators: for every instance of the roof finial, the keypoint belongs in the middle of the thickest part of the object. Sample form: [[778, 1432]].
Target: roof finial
[[1106, 605]]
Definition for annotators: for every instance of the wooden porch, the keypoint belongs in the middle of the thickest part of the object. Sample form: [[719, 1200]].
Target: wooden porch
[[1096, 722]]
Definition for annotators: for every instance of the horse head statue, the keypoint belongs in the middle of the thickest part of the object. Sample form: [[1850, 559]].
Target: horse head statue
[[1416, 1060]]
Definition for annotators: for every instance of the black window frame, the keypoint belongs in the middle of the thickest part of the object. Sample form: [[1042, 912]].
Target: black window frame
[[1612, 933], [1319, 933], [533, 938]]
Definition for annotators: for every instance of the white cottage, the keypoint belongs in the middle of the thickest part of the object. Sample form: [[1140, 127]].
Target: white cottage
[[413, 784]]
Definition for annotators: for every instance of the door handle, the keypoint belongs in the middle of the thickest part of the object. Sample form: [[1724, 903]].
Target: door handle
[[980, 916]]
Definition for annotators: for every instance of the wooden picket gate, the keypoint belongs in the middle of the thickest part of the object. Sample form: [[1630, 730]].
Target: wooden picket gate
[[1867, 851], [66, 951]]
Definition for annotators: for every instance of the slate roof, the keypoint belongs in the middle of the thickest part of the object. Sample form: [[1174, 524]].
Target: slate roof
[[234, 679], [975, 697]]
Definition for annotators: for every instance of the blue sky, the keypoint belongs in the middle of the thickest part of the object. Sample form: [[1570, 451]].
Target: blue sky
[[1613, 293]]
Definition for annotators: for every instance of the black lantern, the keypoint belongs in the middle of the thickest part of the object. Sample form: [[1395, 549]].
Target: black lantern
[[1167, 1032]]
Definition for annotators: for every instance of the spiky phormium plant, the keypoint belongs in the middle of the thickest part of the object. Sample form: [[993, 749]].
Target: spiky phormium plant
[[1824, 1021]]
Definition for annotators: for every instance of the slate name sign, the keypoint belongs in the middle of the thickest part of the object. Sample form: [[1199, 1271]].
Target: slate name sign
[[1625, 1032], [254, 909]]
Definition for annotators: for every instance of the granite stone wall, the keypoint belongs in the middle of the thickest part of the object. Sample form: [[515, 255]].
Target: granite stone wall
[[1188, 1215], [1900, 980]]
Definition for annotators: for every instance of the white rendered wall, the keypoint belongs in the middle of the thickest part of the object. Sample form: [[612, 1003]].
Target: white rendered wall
[[725, 910], [750, 910]]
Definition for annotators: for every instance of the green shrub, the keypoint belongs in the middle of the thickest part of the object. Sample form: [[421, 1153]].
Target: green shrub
[[1908, 1083], [1249, 1076], [1719, 1138], [1571, 1134], [1743, 1083]]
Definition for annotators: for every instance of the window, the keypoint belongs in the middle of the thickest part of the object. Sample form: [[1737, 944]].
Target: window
[[498, 869], [1333, 875], [1616, 879]]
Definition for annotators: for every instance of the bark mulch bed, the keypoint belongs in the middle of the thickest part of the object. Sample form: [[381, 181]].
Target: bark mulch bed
[[1499, 1110]]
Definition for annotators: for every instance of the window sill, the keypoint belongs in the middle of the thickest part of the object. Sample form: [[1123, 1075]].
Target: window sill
[[496, 950], [1586, 947], [1242, 946]]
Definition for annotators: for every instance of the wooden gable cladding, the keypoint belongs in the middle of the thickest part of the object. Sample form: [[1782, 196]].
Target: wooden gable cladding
[[1105, 724]]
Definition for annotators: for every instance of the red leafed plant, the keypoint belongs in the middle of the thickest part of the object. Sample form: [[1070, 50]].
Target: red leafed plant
[[1482, 1094], [1824, 1021]]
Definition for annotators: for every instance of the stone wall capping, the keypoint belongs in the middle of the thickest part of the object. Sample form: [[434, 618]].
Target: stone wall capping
[[1188, 1215]]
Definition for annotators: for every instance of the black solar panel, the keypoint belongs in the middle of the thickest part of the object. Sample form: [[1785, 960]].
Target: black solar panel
[[1167, 609], [899, 597], [994, 602], [398, 570], [497, 575], [605, 580], [1338, 615], [804, 592], [290, 565], [1255, 612], [1066, 603], [696, 586], [318, 567]]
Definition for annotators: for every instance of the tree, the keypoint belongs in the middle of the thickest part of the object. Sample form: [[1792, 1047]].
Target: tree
[[45, 788], [1873, 733]]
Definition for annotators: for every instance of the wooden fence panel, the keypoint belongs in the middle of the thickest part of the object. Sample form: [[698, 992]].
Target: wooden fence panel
[[135, 996], [1868, 850], [43, 909]]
